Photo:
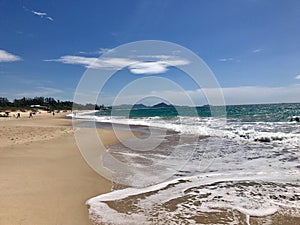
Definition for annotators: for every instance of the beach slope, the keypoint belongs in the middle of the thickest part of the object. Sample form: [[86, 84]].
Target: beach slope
[[44, 179]]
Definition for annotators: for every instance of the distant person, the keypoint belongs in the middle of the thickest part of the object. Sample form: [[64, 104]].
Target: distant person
[[18, 115], [30, 115], [53, 113]]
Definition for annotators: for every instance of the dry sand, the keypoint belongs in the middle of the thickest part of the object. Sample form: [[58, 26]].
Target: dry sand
[[44, 179]]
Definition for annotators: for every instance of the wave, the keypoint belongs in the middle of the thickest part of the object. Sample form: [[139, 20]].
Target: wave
[[274, 133]]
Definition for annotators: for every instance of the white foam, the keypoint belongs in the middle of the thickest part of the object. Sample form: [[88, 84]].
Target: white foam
[[208, 185], [100, 212], [103, 214], [124, 193], [258, 212]]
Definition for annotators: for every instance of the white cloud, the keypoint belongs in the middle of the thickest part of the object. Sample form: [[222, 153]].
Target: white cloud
[[297, 77], [95, 63], [160, 65], [226, 59], [148, 68], [40, 14], [8, 57], [155, 67], [79, 60], [257, 50], [50, 18]]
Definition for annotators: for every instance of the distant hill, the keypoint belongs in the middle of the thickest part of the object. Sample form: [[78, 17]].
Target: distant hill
[[162, 105], [139, 106], [142, 106]]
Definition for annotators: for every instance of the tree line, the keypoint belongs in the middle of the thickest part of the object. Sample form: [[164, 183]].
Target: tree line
[[48, 102]]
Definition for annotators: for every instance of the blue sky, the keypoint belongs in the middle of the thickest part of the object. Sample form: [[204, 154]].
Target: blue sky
[[252, 46]]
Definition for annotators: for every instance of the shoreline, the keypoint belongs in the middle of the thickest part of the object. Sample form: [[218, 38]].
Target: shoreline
[[44, 178]]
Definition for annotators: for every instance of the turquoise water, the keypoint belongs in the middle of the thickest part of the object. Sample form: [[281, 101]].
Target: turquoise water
[[243, 113]]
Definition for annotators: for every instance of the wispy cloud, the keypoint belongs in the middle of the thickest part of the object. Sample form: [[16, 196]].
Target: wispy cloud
[[99, 52], [257, 50], [40, 91], [226, 59], [42, 15], [94, 63], [8, 57], [297, 77], [50, 18], [159, 65]]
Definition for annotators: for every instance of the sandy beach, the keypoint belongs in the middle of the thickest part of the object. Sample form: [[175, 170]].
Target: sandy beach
[[44, 179]]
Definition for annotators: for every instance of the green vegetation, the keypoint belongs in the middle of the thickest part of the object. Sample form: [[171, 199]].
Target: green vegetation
[[46, 103]]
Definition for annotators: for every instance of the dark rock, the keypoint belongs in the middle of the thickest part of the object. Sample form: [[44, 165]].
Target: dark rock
[[295, 118], [263, 139], [162, 105]]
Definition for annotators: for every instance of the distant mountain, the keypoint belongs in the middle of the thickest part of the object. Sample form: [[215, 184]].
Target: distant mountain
[[139, 106], [142, 106], [162, 105]]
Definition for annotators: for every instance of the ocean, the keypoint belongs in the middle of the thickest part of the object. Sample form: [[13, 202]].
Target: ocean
[[192, 167]]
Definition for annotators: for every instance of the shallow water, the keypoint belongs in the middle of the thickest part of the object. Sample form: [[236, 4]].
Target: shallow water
[[241, 185]]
